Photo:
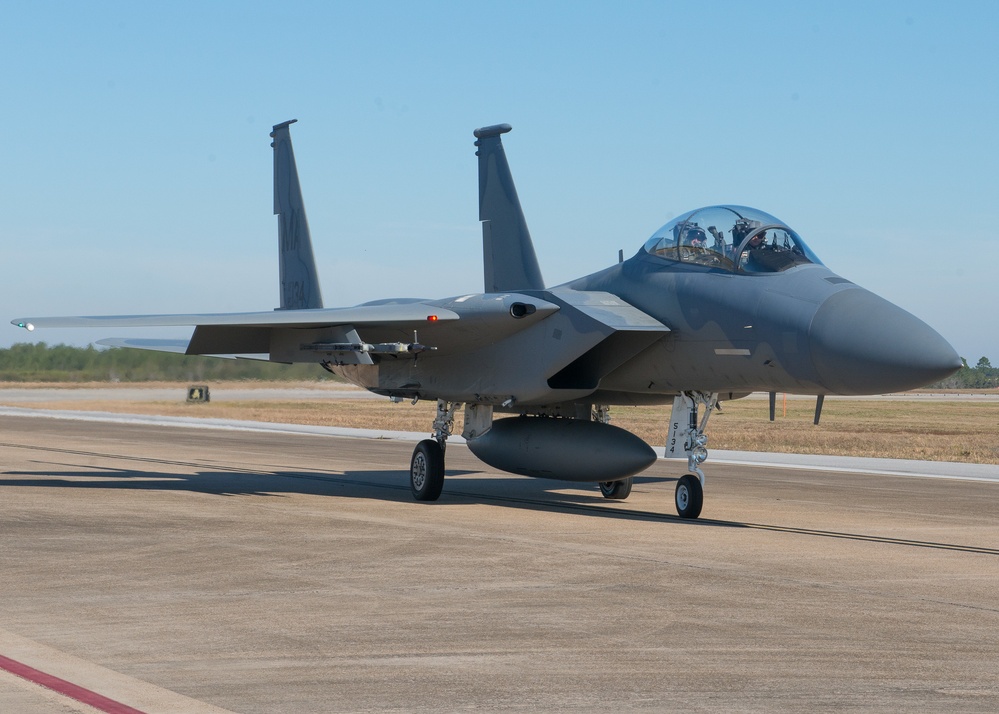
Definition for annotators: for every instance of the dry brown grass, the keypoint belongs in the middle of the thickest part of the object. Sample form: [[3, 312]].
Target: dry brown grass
[[964, 431], [936, 431]]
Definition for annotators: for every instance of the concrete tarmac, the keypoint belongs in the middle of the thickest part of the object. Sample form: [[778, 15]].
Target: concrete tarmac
[[183, 569]]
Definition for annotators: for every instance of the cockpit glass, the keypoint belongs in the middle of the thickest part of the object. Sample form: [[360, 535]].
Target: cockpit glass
[[734, 238]]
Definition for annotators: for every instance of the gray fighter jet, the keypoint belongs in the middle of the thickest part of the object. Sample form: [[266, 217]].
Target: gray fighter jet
[[720, 302]]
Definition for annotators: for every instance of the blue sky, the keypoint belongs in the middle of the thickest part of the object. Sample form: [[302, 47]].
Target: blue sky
[[136, 174]]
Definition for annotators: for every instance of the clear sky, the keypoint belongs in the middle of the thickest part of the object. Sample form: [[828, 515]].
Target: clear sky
[[136, 173]]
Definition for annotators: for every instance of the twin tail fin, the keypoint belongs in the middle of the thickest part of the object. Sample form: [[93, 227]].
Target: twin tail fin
[[299, 280], [509, 261]]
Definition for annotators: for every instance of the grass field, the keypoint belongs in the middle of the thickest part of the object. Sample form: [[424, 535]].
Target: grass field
[[964, 429]]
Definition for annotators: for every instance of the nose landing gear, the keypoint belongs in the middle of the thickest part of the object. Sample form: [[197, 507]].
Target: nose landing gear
[[689, 496], [686, 437]]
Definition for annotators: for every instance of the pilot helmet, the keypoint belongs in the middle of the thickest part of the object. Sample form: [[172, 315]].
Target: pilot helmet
[[687, 232], [742, 228]]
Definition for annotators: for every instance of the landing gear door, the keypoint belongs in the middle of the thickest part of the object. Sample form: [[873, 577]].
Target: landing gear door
[[679, 426]]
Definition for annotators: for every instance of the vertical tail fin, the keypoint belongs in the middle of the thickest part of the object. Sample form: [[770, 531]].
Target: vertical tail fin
[[508, 253], [299, 282]]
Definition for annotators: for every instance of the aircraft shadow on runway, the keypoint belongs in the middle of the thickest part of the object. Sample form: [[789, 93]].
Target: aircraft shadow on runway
[[461, 486]]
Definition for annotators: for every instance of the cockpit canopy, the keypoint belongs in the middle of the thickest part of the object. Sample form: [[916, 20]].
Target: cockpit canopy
[[732, 238]]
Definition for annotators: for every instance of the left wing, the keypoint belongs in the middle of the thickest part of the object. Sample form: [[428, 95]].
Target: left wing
[[314, 335]]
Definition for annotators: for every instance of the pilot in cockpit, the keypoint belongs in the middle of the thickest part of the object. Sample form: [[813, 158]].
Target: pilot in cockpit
[[730, 238], [692, 235], [742, 228]]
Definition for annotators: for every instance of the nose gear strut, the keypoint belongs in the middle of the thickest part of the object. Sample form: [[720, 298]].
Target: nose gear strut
[[686, 437]]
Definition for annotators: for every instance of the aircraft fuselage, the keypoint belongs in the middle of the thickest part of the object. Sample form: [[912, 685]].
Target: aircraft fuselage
[[804, 330]]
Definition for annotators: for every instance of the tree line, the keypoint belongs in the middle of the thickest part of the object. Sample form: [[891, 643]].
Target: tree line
[[982, 376], [62, 363]]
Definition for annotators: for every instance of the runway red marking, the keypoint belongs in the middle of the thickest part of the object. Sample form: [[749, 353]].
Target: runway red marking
[[68, 689]]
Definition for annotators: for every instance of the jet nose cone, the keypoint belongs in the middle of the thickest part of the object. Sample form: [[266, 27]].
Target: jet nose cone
[[862, 344]]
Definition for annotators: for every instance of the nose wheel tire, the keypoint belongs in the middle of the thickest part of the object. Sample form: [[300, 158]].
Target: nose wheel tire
[[616, 489], [689, 496], [426, 471]]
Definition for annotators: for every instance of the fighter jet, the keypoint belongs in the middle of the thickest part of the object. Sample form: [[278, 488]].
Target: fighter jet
[[720, 302]]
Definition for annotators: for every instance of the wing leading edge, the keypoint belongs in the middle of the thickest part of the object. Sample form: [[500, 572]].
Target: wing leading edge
[[258, 333], [451, 325]]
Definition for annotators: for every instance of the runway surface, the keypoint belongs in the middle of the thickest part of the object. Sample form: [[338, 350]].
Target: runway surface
[[187, 569]]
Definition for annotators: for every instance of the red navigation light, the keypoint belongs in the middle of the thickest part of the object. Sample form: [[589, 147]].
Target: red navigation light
[[431, 318]]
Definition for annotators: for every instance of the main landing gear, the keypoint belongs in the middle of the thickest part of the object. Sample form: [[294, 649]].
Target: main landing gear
[[617, 490], [686, 437], [426, 470], [613, 490]]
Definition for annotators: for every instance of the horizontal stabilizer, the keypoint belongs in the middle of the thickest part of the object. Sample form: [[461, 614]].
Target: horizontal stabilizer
[[172, 346], [175, 346]]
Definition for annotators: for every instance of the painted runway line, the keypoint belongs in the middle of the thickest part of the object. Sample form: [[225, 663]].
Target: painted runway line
[[67, 689]]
